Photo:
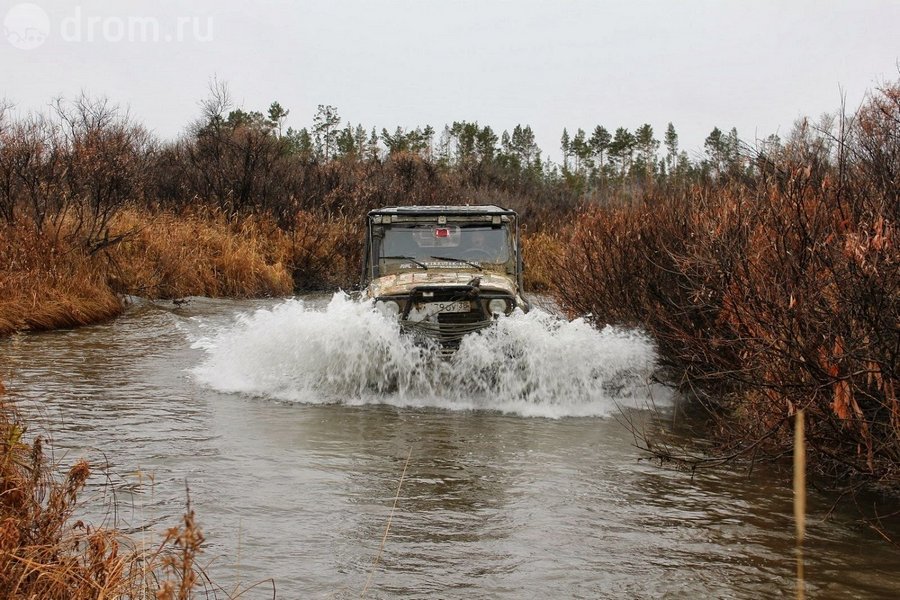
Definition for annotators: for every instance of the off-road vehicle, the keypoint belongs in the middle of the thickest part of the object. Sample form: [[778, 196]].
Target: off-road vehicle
[[444, 271]]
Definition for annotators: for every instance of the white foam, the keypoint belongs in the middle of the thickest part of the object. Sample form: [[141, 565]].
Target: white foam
[[534, 364]]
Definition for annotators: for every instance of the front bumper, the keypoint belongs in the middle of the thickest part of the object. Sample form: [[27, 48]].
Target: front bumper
[[420, 311]]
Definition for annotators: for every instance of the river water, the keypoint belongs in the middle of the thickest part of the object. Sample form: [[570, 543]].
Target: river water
[[294, 423]]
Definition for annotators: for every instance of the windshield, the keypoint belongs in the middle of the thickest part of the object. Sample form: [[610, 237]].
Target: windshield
[[431, 244]]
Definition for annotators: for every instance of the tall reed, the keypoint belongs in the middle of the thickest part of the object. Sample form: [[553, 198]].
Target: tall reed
[[47, 552]]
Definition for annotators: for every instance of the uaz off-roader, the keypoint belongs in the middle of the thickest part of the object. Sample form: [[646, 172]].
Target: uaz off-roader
[[444, 271]]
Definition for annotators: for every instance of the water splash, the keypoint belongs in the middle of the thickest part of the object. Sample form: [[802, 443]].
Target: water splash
[[534, 364]]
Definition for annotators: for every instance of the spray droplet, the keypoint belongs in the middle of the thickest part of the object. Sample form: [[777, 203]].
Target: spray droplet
[[534, 364]]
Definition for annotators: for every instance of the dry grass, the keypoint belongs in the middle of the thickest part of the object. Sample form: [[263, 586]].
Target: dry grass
[[164, 255], [541, 252], [46, 553], [49, 282], [46, 283]]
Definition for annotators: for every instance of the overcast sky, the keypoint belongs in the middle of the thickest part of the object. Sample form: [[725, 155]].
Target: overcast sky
[[756, 66]]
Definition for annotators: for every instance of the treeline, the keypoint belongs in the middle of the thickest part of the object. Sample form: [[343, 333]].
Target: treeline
[[242, 159], [87, 158]]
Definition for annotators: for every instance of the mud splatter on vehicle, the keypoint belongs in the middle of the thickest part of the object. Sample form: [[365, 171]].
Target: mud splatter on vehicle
[[444, 271]]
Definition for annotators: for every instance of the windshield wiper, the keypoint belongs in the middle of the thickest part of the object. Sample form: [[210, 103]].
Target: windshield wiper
[[409, 258], [462, 260]]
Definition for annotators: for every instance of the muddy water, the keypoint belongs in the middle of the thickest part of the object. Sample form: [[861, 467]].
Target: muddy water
[[291, 424]]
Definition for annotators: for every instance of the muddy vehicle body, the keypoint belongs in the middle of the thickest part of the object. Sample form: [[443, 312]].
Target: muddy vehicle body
[[444, 271]]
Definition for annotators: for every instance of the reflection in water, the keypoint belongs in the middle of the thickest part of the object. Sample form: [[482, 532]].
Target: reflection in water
[[492, 505]]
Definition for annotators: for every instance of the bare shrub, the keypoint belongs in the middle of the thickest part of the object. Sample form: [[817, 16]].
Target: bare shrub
[[73, 169], [874, 145], [105, 162], [775, 296]]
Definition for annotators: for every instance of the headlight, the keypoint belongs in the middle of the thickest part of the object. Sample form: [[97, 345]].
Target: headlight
[[497, 306], [388, 308]]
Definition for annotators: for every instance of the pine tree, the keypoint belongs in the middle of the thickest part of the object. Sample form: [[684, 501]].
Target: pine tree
[[671, 142], [277, 115], [580, 149], [600, 141], [346, 145], [325, 126], [427, 137], [372, 148], [565, 144], [646, 146], [445, 147], [299, 142], [359, 139], [523, 146], [622, 149], [465, 136], [486, 143], [723, 150]]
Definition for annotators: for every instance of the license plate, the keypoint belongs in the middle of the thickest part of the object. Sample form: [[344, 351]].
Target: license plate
[[449, 307]]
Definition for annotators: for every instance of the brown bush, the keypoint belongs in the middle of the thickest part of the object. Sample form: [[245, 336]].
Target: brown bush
[[325, 252], [773, 296]]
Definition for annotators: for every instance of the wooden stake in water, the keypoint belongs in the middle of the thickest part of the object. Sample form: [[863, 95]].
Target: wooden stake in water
[[800, 495]]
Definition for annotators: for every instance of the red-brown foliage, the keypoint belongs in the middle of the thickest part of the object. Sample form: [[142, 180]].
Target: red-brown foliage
[[772, 296]]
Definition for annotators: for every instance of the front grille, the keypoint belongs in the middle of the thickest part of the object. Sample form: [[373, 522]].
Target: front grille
[[447, 329]]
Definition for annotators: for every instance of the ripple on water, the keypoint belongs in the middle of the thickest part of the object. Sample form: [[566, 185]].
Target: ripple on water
[[492, 505]]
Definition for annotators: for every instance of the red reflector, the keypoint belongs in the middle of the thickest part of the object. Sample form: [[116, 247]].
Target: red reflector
[[442, 232]]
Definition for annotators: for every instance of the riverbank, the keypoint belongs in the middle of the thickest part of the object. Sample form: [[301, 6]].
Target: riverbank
[[768, 295], [50, 281], [46, 283]]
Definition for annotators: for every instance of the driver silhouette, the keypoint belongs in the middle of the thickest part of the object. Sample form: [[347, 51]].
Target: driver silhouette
[[480, 247]]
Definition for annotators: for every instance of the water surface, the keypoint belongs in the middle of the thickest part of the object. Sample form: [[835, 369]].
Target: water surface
[[291, 424]]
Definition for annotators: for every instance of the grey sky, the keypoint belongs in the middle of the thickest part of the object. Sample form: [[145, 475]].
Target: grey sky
[[755, 65]]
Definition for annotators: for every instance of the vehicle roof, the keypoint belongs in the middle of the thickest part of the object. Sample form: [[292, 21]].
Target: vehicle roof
[[468, 209]]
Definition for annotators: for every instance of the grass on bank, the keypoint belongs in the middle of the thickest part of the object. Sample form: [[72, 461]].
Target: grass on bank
[[164, 255], [45, 283], [49, 281], [46, 552]]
